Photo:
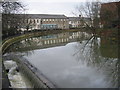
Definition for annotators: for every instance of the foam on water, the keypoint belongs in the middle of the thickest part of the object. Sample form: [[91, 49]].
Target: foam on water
[[16, 78]]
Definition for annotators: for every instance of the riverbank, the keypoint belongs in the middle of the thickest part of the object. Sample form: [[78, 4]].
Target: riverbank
[[100, 32], [22, 74], [12, 40], [9, 41]]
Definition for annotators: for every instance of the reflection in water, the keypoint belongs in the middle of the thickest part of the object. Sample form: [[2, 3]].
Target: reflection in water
[[47, 41], [69, 62], [102, 56]]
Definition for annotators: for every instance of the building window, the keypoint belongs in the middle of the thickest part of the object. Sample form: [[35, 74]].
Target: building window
[[30, 21], [37, 21], [34, 20]]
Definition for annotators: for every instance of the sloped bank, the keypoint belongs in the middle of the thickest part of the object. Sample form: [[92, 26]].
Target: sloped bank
[[35, 77]]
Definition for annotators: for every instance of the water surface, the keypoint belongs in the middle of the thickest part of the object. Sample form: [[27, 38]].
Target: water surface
[[67, 61]]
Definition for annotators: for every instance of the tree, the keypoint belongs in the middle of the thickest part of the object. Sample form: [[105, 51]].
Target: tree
[[90, 10], [11, 20], [12, 7]]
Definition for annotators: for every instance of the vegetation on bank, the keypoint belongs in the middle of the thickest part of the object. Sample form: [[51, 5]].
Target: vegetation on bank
[[9, 41], [100, 32], [6, 43]]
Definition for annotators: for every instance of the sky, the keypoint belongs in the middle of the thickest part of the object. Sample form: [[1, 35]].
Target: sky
[[66, 7]]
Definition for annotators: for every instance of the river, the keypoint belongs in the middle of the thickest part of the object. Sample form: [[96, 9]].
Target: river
[[72, 59]]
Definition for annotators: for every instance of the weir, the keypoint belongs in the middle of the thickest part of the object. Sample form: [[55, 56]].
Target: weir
[[36, 78]]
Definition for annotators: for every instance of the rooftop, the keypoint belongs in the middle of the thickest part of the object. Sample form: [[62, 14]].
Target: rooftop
[[46, 16], [78, 18], [74, 18]]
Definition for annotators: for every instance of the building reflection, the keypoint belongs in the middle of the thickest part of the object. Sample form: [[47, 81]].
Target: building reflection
[[48, 41]]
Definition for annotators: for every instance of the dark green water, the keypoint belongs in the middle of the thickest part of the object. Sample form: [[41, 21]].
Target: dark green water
[[70, 61]]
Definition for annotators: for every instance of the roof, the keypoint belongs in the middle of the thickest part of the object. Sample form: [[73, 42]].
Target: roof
[[74, 18], [46, 16], [111, 3], [41, 16], [78, 18]]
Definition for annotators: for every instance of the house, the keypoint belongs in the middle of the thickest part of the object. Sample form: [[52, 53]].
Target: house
[[28, 22], [110, 14], [74, 22], [78, 22], [46, 21]]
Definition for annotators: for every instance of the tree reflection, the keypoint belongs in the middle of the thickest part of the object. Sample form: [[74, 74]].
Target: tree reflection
[[101, 52]]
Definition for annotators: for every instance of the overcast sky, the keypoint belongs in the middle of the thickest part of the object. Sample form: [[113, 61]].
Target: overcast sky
[[65, 7]]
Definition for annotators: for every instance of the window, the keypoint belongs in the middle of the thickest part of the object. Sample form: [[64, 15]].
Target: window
[[37, 21], [52, 19], [34, 20], [30, 21]]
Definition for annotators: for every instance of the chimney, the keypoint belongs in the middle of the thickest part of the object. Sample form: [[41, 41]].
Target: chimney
[[80, 16]]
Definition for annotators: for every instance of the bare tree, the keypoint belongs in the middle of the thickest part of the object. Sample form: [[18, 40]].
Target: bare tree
[[12, 7], [11, 21], [90, 10]]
